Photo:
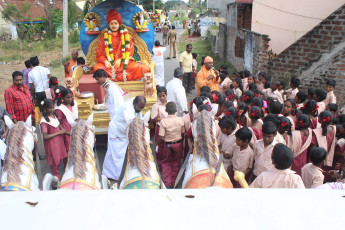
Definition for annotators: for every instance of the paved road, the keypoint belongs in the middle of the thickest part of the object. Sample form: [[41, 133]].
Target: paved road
[[169, 66]]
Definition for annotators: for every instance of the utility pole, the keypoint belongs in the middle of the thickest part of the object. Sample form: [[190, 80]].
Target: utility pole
[[65, 29], [153, 6]]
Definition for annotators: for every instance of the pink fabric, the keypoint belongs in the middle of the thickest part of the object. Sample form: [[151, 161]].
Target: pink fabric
[[171, 163], [301, 159], [319, 140], [63, 121]]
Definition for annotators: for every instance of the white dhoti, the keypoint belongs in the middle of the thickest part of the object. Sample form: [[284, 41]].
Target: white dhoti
[[114, 157], [159, 73]]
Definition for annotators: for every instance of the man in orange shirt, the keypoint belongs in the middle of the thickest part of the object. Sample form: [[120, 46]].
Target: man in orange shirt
[[68, 65], [207, 76]]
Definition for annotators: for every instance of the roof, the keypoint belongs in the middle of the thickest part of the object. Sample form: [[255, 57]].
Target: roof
[[36, 10]]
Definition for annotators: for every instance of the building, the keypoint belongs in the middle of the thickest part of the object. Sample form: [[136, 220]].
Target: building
[[219, 5]]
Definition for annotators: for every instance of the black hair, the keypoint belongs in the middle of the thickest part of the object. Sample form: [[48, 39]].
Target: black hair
[[173, 27], [321, 94], [246, 73], [222, 76], [331, 82], [53, 81], [311, 92], [267, 85], [333, 107], [204, 107], [303, 122], [206, 89], [326, 118], [275, 107], [203, 62], [227, 122], [255, 113], [236, 74], [248, 96], [161, 89], [241, 74], [310, 108], [171, 108], [228, 104], [277, 82], [239, 82], [302, 96], [252, 87], [317, 155], [230, 95], [244, 107], [283, 83], [188, 45], [285, 125], [194, 55], [257, 101], [269, 128], [138, 99], [341, 118], [299, 112], [221, 99], [81, 60], [16, 73], [282, 156], [223, 67], [157, 43], [244, 134], [225, 71], [47, 103], [208, 95], [100, 73], [34, 61], [27, 63], [264, 75], [295, 81], [64, 92], [293, 104], [197, 101], [272, 118]]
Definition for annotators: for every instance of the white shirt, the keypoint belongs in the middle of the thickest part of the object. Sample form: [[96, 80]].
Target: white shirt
[[39, 77], [119, 123], [158, 54], [3, 148], [114, 98], [177, 94]]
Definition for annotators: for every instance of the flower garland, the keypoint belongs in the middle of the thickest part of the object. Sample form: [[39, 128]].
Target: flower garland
[[90, 26], [136, 20]]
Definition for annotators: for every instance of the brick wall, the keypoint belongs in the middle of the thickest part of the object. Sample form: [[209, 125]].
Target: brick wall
[[244, 16]]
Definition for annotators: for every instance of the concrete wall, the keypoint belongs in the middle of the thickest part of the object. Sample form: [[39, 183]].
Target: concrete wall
[[286, 21], [219, 5]]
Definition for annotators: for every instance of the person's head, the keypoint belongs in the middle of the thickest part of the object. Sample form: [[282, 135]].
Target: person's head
[[246, 73], [157, 43], [282, 156], [173, 27], [235, 75], [34, 61], [222, 77], [80, 61], [225, 71], [285, 125], [197, 101], [320, 95], [171, 108], [53, 81], [248, 97], [332, 107], [48, 108], [330, 84], [275, 107], [325, 119], [300, 97], [269, 131], [241, 74], [243, 137], [237, 83], [253, 87], [282, 85], [242, 108], [204, 107], [227, 125], [220, 99], [341, 118], [318, 156], [100, 76], [206, 95], [162, 94], [215, 95], [139, 103], [189, 48], [28, 64], [233, 112], [275, 85], [205, 89], [267, 85], [303, 122], [298, 112], [262, 77], [222, 67], [203, 60], [66, 97], [251, 80], [195, 55], [257, 101], [273, 118], [255, 113], [311, 93], [208, 62], [310, 108], [74, 55], [165, 23], [178, 72], [295, 82], [17, 78], [230, 95], [289, 107], [114, 20], [226, 105]]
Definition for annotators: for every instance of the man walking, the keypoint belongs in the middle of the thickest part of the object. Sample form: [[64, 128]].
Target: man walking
[[172, 35], [165, 34], [177, 93], [186, 60]]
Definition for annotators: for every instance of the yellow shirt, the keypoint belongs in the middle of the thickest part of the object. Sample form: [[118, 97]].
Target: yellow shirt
[[187, 60]]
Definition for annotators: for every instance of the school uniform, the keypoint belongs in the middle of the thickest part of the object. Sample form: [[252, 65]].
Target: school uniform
[[171, 128], [322, 106], [228, 142], [275, 178], [327, 142], [241, 161], [312, 176], [275, 94], [225, 85], [238, 92], [245, 84], [291, 93], [331, 98], [263, 156]]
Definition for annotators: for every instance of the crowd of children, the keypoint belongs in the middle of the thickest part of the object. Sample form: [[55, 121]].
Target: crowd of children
[[279, 138]]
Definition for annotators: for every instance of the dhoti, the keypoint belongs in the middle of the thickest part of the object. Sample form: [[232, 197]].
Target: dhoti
[[159, 73], [114, 157]]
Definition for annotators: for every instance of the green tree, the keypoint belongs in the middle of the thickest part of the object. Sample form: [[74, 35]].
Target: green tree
[[148, 4]]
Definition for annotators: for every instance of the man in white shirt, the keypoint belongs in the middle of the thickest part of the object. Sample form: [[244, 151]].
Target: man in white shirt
[[117, 136], [114, 94], [177, 93], [186, 63], [158, 52], [38, 80]]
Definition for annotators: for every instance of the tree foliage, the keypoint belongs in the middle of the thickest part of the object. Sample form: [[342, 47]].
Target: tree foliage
[[148, 4], [90, 4]]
